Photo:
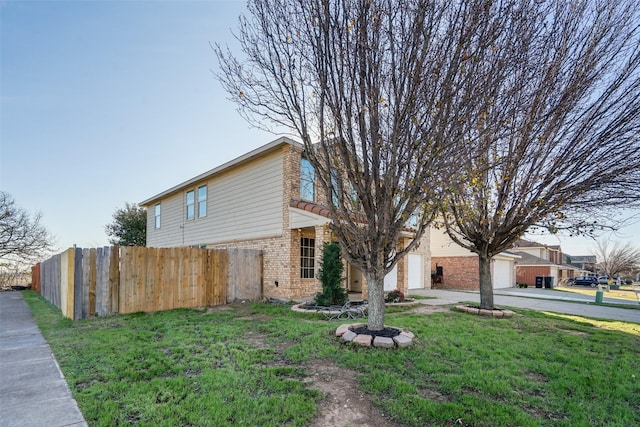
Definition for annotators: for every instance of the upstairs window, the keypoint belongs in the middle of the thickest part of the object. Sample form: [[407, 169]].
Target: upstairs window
[[202, 201], [191, 204], [197, 202], [307, 257], [157, 215], [307, 180]]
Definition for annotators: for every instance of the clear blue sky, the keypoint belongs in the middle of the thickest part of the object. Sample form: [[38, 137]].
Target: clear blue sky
[[111, 101], [107, 102]]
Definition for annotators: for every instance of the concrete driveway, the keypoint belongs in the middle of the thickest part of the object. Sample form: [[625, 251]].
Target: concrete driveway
[[542, 300]]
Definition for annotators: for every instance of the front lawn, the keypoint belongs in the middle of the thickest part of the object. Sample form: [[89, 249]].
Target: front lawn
[[255, 364], [625, 292]]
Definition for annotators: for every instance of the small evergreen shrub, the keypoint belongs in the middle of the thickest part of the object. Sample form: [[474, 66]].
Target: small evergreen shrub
[[330, 275]]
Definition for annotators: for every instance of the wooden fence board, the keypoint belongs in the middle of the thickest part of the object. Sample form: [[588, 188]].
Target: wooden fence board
[[92, 285], [86, 281], [54, 279], [35, 278], [78, 291], [103, 284], [114, 279]]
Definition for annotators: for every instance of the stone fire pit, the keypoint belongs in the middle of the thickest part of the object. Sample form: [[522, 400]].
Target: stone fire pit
[[350, 334]]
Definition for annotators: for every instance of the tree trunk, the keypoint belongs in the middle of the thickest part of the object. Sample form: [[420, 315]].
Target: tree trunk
[[375, 296], [486, 285]]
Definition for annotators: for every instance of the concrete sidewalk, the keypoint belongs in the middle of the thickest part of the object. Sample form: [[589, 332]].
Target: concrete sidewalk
[[33, 391], [538, 299]]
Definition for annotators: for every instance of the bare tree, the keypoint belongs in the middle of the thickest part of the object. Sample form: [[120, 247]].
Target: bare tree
[[372, 88], [23, 239], [617, 259], [561, 123]]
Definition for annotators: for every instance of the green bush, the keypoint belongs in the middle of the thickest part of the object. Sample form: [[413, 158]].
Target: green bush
[[330, 275]]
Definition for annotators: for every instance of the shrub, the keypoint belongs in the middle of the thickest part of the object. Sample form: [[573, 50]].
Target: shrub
[[330, 275], [394, 296], [523, 285]]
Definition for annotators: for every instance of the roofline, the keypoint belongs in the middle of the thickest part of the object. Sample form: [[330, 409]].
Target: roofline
[[228, 165]]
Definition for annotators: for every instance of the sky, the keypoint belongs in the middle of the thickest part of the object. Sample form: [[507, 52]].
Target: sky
[[107, 102]]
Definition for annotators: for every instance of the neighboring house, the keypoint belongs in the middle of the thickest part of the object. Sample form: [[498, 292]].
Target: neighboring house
[[540, 260], [585, 263], [531, 266], [266, 199], [455, 267]]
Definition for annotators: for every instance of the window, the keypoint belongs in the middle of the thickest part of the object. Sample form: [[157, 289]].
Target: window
[[307, 180], [413, 221], [355, 201], [202, 201], [157, 215], [307, 257], [191, 200]]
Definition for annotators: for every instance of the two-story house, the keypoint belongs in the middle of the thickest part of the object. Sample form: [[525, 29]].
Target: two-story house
[[267, 199], [540, 260]]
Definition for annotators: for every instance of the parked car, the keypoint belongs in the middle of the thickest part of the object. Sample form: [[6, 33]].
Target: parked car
[[604, 280], [586, 281]]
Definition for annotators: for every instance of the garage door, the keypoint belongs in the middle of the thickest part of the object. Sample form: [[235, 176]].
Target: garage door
[[391, 279], [502, 274], [416, 277]]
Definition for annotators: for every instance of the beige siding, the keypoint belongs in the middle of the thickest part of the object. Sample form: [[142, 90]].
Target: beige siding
[[171, 218], [443, 246], [242, 203], [539, 252]]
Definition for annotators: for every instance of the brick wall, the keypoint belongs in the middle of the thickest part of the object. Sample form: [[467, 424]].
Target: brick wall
[[458, 272]]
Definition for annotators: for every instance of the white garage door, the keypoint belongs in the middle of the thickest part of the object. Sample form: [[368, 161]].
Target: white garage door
[[502, 274], [391, 279], [416, 277]]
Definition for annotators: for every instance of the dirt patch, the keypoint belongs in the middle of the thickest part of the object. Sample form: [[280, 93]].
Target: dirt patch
[[429, 309], [535, 376], [344, 404], [433, 395]]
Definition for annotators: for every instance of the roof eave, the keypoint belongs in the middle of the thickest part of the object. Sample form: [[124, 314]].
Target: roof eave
[[228, 165]]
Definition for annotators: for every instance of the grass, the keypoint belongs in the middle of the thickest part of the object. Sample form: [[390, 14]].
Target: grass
[[625, 292], [247, 365]]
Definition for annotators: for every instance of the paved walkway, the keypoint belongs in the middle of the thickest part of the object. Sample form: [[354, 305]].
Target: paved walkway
[[33, 391], [539, 299]]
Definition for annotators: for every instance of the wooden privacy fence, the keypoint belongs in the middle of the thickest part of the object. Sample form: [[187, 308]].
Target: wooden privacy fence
[[119, 280]]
